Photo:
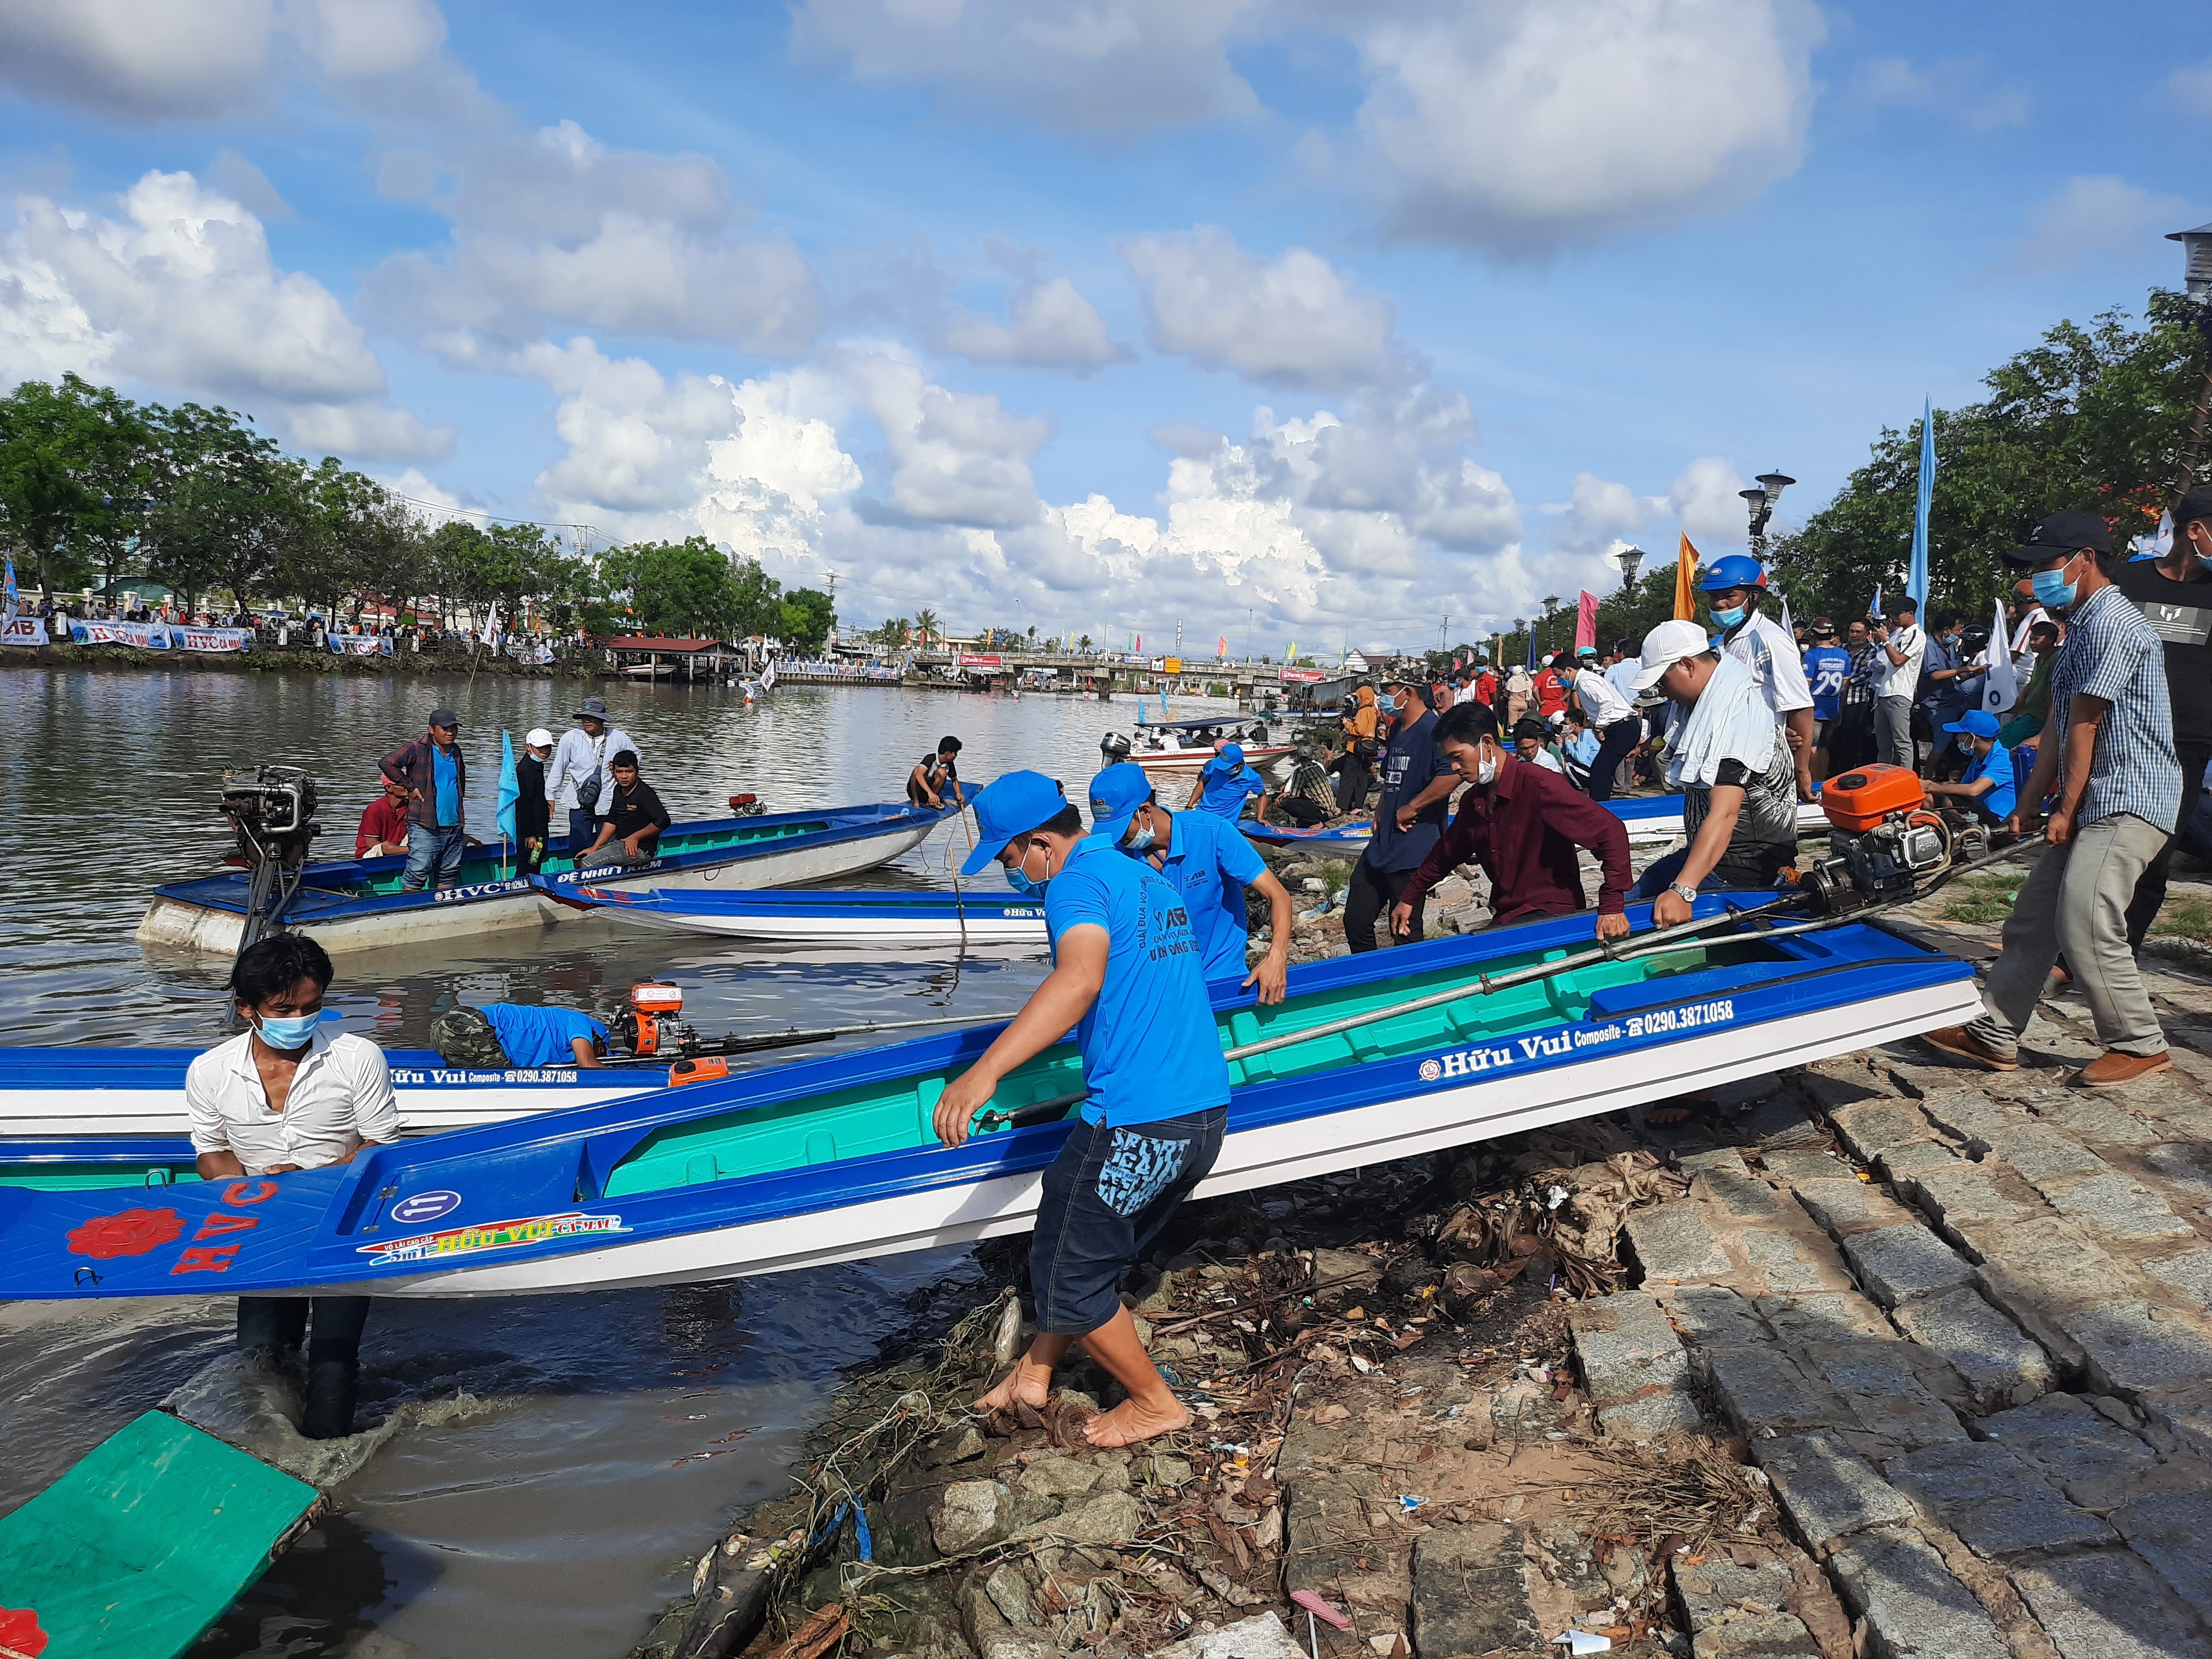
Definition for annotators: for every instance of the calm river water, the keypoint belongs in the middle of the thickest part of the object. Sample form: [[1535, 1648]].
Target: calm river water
[[556, 1520]]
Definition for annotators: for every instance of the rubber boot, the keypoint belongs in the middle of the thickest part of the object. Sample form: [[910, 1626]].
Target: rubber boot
[[333, 1386]]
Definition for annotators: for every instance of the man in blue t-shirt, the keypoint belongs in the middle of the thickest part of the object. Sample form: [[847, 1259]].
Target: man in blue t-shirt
[[1409, 817], [1225, 783], [1827, 668], [1989, 786], [505, 1034], [1126, 976], [1210, 862]]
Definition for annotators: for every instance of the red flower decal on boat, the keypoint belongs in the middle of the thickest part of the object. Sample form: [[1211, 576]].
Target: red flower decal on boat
[[19, 1632], [128, 1233]]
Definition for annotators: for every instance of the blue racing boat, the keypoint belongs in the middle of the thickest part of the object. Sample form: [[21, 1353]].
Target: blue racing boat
[[356, 904], [1372, 1057], [810, 916], [1651, 821]]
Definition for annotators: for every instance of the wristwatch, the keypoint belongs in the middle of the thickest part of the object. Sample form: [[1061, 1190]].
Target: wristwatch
[[1687, 894]]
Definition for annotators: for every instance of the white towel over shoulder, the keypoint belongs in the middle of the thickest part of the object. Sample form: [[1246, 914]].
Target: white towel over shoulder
[[1729, 721]]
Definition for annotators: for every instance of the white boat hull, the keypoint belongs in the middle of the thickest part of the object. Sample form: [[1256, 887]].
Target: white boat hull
[[1256, 1157], [65, 1112], [176, 922], [852, 933]]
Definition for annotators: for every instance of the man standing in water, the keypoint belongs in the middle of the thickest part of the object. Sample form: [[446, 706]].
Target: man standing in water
[[1126, 976], [283, 1096]]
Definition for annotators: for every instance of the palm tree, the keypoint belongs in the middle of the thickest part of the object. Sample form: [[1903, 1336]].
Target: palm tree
[[1084, 641], [926, 622]]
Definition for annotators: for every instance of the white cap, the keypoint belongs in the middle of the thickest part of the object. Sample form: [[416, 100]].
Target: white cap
[[538, 738], [1667, 645]]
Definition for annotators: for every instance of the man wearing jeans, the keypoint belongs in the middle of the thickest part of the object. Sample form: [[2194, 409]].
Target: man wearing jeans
[[435, 777], [2109, 751]]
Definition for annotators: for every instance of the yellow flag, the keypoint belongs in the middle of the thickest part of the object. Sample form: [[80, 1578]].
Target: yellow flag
[[1685, 583]]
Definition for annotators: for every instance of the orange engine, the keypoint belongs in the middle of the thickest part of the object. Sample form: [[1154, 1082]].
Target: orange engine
[[650, 1024], [711, 1069], [1862, 797]]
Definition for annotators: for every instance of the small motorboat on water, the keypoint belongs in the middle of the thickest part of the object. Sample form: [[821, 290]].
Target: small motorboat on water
[[808, 916], [1181, 748], [357, 904], [1372, 1057]]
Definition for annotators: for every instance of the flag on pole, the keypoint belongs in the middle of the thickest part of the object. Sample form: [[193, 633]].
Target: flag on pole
[[2001, 685], [1221, 647], [491, 625], [1916, 581], [1291, 651], [510, 786], [1586, 620], [2156, 546], [1532, 645], [8, 601], [1686, 582]]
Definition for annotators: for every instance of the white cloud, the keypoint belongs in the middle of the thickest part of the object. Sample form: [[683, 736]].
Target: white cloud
[[1049, 325], [956, 457], [1705, 501], [552, 230], [1956, 88], [2094, 216], [1525, 123], [1294, 320], [149, 61], [2193, 85], [180, 294], [1106, 65]]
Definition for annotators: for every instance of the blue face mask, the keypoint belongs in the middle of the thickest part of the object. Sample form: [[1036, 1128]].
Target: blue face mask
[[1142, 842], [1727, 618], [2053, 590], [294, 1033], [1018, 879], [1387, 705]]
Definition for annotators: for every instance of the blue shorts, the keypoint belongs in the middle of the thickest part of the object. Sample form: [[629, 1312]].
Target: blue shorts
[[1106, 1198]]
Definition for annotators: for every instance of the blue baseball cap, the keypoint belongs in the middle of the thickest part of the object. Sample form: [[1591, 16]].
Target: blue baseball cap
[[1976, 722], [1229, 757], [1012, 805], [1115, 795]]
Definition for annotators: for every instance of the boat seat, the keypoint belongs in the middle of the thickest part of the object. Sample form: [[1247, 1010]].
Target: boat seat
[[821, 1147], [700, 1168], [925, 1107]]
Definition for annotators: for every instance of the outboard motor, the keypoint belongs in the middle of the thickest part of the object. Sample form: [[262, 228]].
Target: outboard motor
[[271, 811], [1883, 839], [1115, 745]]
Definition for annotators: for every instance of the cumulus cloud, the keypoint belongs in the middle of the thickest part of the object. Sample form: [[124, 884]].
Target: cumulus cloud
[[2091, 217], [956, 457], [553, 230], [179, 293], [1049, 325], [1957, 88], [2193, 85], [151, 61], [1706, 503], [1294, 320], [1104, 65], [1522, 123]]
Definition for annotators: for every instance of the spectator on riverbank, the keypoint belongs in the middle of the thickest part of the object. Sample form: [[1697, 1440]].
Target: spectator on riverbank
[[1987, 789], [1943, 692], [1533, 744], [1417, 785], [383, 831], [1615, 724], [2110, 757], [533, 810], [1362, 744], [1898, 650], [2032, 711], [634, 818], [1736, 593], [579, 769], [1827, 668], [435, 776]]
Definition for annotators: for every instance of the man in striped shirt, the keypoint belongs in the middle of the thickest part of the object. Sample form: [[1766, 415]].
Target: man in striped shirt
[[2108, 751]]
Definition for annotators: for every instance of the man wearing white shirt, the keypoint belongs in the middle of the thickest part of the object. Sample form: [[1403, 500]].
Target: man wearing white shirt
[[1734, 587], [283, 1096], [1610, 717], [584, 758], [1899, 651]]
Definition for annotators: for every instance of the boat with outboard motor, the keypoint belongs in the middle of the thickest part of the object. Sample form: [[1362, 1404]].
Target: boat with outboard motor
[[1372, 1057], [357, 904], [1181, 749], [811, 916]]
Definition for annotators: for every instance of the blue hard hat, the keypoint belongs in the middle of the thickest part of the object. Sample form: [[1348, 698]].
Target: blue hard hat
[[1012, 805], [1731, 570], [1115, 795]]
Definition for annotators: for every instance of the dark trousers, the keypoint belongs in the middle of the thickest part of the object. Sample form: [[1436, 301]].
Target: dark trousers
[[1374, 893], [2150, 886], [280, 1321], [583, 829], [1353, 775], [1614, 743]]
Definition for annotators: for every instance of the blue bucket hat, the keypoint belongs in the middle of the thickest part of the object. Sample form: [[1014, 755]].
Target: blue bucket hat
[[1975, 722], [1115, 795], [1012, 805]]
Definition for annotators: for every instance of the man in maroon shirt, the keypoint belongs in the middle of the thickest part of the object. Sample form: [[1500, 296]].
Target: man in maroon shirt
[[383, 827], [1521, 823]]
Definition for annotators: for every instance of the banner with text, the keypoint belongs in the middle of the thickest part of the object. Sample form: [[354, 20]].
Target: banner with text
[[1303, 675], [23, 630], [213, 639], [981, 659], [359, 645], [146, 636]]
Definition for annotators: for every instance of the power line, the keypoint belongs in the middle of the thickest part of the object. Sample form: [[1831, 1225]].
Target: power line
[[585, 529]]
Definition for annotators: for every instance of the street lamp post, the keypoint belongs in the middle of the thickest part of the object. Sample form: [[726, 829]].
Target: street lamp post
[[1629, 558], [1760, 504], [2197, 281]]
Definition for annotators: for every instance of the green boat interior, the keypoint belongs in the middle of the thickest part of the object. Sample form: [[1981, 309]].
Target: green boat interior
[[896, 1115]]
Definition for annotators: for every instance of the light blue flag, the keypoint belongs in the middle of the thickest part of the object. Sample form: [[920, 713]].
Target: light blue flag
[[8, 598], [510, 788], [1876, 609], [1916, 581]]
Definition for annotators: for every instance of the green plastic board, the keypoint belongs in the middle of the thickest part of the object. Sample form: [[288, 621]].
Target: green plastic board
[[146, 1542]]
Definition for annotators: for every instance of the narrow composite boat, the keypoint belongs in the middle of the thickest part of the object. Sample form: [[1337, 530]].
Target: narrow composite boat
[[1650, 820], [860, 920], [68, 1093], [356, 904], [832, 1159]]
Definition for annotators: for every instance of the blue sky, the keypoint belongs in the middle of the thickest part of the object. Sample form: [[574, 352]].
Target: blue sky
[[1093, 314]]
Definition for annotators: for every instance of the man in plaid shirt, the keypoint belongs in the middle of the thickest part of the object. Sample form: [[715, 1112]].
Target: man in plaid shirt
[[2109, 753]]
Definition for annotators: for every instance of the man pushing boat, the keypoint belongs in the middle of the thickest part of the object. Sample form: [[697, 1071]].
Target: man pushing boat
[[1127, 976]]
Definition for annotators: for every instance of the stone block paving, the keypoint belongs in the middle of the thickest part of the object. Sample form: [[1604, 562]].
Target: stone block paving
[[1963, 1322]]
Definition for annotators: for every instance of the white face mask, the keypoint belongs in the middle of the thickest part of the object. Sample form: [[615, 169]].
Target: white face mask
[[1486, 767]]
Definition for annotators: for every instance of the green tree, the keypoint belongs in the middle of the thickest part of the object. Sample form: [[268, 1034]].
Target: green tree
[[806, 620], [76, 465], [928, 624], [231, 508]]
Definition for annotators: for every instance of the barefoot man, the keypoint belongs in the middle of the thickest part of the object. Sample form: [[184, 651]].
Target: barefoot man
[[1127, 978]]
